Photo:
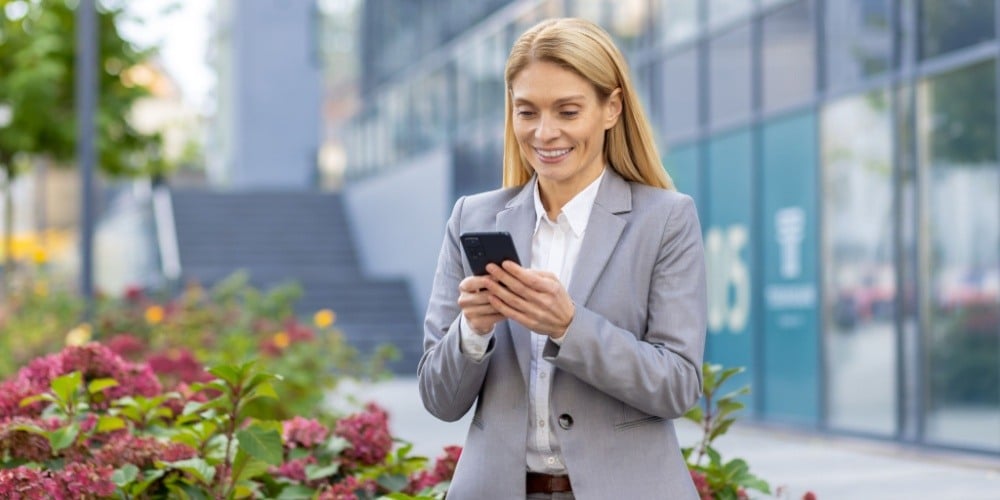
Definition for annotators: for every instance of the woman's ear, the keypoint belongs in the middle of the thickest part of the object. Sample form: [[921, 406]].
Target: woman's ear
[[613, 109]]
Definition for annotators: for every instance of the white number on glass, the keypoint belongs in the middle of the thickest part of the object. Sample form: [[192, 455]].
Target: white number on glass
[[727, 271]]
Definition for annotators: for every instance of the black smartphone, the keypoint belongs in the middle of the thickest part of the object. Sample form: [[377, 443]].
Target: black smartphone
[[488, 247]]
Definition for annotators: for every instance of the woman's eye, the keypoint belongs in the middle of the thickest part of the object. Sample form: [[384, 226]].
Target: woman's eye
[[569, 114], [525, 114]]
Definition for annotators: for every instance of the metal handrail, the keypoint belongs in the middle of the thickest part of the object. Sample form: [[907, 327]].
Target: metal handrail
[[166, 233]]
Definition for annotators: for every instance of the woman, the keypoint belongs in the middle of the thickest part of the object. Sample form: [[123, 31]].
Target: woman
[[577, 362]]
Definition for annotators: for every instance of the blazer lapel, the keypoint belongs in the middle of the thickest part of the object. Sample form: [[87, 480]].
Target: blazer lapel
[[518, 218], [603, 231]]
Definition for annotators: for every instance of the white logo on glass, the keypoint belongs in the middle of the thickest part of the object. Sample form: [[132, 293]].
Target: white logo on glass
[[790, 223]]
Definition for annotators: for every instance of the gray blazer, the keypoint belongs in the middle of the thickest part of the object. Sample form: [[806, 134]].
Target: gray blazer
[[630, 362]]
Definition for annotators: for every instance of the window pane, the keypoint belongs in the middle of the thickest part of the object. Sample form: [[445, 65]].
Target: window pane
[[952, 25], [723, 11], [859, 274], [957, 133], [789, 57], [858, 41], [679, 19], [729, 76], [679, 94]]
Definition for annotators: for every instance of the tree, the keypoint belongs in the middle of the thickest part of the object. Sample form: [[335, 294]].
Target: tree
[[37, 78]]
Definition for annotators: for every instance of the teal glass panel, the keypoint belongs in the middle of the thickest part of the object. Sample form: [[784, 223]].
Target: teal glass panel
[[790, 244], [729, 254], [681, 164]]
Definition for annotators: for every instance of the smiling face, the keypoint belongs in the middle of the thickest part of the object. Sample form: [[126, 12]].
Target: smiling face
[[559, 122]]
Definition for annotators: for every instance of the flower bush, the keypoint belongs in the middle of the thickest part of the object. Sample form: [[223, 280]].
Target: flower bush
[[230, 324], [88, 424], [715, 478]]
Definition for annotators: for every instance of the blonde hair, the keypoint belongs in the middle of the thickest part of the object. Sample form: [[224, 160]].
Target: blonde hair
[[584, 48]]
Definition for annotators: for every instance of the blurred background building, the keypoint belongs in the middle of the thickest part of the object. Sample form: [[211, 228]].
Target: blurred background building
[[842, 154]]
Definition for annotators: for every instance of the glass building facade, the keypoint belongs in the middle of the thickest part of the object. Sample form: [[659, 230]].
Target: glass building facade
[[843, 156]]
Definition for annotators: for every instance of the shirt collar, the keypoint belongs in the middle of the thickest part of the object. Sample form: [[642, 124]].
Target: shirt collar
[[577, 210]]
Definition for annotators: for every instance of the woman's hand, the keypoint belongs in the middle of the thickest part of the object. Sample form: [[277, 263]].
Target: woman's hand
[[535, 299], [474, 299]]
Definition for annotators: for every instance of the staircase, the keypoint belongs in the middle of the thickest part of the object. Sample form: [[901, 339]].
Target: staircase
[[302, 236]]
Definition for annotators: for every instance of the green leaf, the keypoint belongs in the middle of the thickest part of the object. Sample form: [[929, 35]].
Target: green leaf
[[721, 428], [227, 373], [708, 372], [108, 424], [36, 398], [258, 379], [264, 444], [392, 482], [65, 387], [150, 476], [125, 475], [742, 391], [317, 471], [244, 489], [296, 492], [726, 374], [735, 468], [756, 483], [100, 384], [63, 437], [197, 467], [264, 390], [714, 457], [246, 467], [695, 414]]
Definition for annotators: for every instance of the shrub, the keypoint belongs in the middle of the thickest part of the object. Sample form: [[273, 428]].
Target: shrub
[[85, 423]]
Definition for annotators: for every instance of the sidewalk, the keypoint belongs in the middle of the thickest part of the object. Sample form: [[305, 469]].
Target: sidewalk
[[831, 467]]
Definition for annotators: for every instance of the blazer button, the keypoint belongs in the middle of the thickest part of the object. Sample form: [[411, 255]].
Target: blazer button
[[565, 421]]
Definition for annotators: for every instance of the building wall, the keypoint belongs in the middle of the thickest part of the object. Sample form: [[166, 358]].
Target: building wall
[[842, 154], [268, 125], [398, 221]]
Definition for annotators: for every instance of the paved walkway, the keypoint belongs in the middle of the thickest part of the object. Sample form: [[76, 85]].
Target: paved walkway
[[831, 467]]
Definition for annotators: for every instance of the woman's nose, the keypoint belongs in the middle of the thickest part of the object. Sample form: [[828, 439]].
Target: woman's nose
[[547, 129]]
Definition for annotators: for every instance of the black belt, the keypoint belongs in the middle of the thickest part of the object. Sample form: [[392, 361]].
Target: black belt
[[545, 483]]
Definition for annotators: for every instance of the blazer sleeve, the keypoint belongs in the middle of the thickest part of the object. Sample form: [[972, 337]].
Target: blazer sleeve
[[657, 371], [449, 381]]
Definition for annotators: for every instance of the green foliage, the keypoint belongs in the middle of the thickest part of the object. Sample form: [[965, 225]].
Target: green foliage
[[231, 324], [227, 456], [37, 61], [721, 479], [34, 320]]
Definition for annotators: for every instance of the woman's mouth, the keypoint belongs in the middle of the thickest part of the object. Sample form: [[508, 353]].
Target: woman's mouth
[[552, 155]]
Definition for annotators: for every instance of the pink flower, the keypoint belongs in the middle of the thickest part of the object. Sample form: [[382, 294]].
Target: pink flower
[[28, 484], [701, 485], [294, 469], [140, 451], [94, 361], [24, 445], [87, 481], [444, 469], [303, 432], [368, 433], [348, 488], [134, 294], [126, 345], [809, 496], [179, 365]]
